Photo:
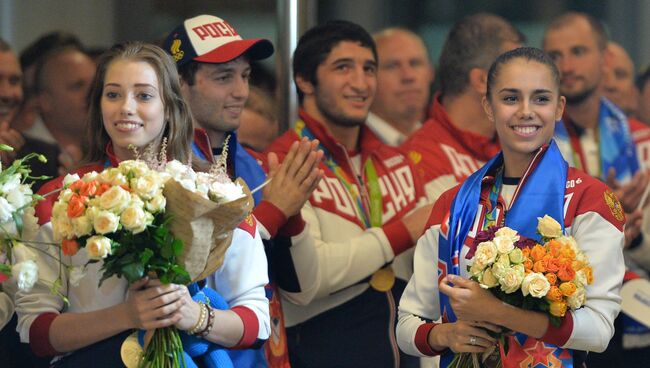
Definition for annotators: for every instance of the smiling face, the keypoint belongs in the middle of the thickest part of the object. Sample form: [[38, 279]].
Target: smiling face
[[219, 93], [11, 88], [524, 105], [346, 85], [132, 109]]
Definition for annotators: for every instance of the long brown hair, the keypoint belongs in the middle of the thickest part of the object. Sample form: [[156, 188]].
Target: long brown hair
[[178, 127]]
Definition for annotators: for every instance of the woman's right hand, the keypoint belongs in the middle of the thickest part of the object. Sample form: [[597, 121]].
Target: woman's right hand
[[150, 304], [463, 336]]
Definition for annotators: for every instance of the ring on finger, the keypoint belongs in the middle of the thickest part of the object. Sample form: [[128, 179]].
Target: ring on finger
[[472, 340]]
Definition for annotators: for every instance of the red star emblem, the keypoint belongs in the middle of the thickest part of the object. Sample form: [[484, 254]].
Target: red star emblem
[[532, 353]]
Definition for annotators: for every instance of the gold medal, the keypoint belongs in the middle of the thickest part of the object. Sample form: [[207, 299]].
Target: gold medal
[[131, 351], [383, 279]]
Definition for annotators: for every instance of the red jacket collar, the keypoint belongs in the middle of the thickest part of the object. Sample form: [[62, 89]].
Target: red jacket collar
[[202, 141], [481, 147], [368, 141], [110, 154]]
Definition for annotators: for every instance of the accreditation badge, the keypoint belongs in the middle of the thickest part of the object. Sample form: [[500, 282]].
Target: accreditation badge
[[383, 279]]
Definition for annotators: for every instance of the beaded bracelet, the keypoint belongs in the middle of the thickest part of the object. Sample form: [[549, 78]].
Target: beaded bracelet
[[208, 326], [199, 323]]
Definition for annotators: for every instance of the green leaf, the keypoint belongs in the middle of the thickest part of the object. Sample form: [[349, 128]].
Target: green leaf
[[18, 219], [133, 271], [6, 269], [146, 255], [177, 246]]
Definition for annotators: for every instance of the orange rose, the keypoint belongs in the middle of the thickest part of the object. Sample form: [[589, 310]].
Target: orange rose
[[537, 253], [589, 272], [567, 288], [70, 247], [526, 252], [577, 265], [539, 266], [76, 186], [89, 189], [76, 206], [126, 187], [558, 309], [554, 247], [552, 278], [554, 294], [566, 272], [103, 187], [528, 264], [553, 265], [567, 252]]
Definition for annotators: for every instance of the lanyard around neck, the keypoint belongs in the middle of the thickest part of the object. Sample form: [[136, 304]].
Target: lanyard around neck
[[370, 210]]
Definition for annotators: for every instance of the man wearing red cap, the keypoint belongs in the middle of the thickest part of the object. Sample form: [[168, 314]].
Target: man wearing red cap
[[213, 61]]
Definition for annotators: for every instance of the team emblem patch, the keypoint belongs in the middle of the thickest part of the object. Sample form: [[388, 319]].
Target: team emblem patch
[[176, 51], [614, 205], [415, 156]]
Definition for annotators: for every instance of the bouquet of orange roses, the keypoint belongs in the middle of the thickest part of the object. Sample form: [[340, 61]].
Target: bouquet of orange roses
[[549, 276]]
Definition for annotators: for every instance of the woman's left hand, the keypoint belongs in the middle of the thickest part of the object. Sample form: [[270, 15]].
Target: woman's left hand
[[468, 299], [189, 312]]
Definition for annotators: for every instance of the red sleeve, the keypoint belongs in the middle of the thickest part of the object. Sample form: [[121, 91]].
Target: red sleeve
[[39, 335], [422, 339], [559, 335], [398, 236], [251, 327], [270, 216]]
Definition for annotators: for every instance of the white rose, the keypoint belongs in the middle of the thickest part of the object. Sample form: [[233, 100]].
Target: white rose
[[485, 254], [106, 222], [577, 299], [225, 192], [98, 247], [112, 176], [26, 274], [203, 181], [157, 203], [69, 179], [535, 284], [62, 228], [75, 274], [59, 209], [65, 195], [146, 186], [115, 199], [139, 168], [6, 209], [133, 218], [81, 226], [580, 279], [30, 223], [488, 280], [176, 169], [548, 227], [512, 278], [90, 176], [508, 233], [504, 244], [501, 265]]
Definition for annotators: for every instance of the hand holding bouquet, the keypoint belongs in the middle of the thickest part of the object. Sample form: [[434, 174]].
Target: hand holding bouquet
[[548, 277]]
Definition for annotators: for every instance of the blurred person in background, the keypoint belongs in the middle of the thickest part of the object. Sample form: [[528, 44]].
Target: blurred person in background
[[404, 77], [258, 123]]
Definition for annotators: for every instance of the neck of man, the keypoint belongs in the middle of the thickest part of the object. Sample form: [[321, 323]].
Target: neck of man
[[403, 123], [585, 113], [466, 113], [348, 136], [216, 138]]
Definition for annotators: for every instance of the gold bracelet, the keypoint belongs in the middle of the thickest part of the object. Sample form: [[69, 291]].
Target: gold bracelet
[[199, 323], [208, 326]]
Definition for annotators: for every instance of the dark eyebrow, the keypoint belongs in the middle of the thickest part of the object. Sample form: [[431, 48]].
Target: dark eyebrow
[[137, 85], [515, 90]]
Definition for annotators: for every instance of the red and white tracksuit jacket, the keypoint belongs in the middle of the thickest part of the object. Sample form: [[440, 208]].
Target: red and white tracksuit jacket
[[592, 216], [240, 280], [347, 252], [445, 155]]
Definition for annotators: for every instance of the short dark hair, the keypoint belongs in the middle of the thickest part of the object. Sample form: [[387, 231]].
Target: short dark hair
[[187, 71], [46, 43], [527, 53], [596, 26], [473, 42], [316, 44]]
